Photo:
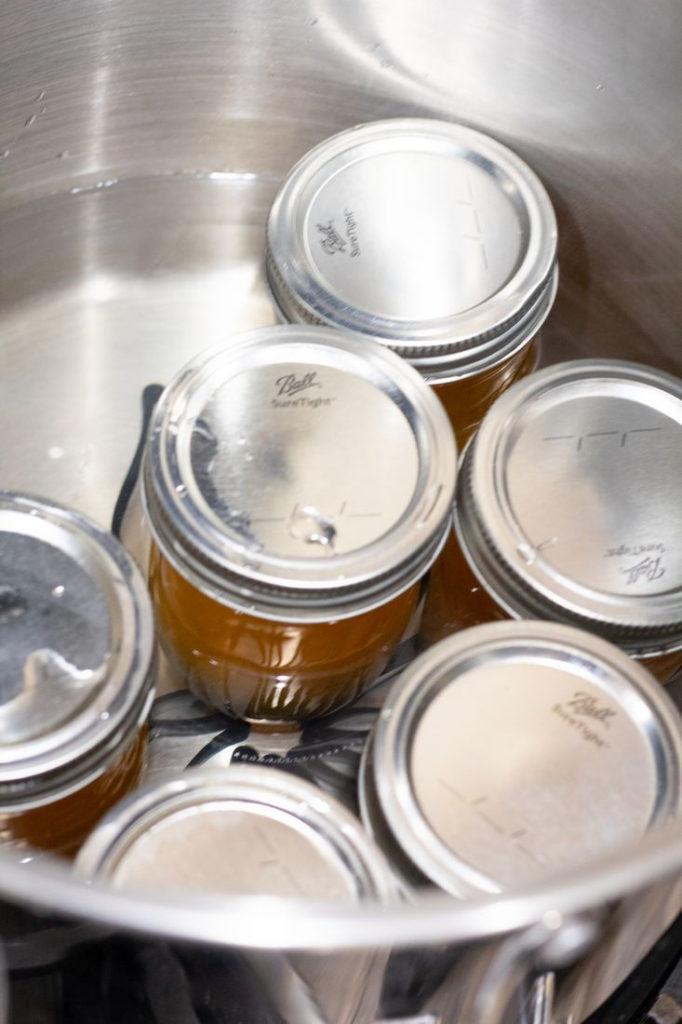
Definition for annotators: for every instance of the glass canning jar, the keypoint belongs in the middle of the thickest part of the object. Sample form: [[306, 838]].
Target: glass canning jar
[[250, 830], [76, 661], [567, 508], [298, 484], [429, 237], [516, 749]]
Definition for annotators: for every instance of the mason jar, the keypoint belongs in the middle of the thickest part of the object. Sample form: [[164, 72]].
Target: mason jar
[[76, 673], [429, 237], [567, 509], [298, 484], [516, 750], [252, 830]]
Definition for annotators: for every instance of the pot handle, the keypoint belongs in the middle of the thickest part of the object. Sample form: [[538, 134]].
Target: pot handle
[[532, 955]]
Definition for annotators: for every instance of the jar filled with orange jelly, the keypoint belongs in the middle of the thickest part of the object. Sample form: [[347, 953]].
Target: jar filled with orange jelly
[[568, 509], [429, 237], [76, 667], [298, 484]]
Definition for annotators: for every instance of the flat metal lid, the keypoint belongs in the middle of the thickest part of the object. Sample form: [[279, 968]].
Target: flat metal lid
[[246, 829], [76, 643], [295, 471], [424, 234], [520, 748], [570, 498]]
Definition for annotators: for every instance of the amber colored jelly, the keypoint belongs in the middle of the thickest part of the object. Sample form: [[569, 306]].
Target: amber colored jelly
[[664, 665], [456, 600], [268, 672], [62, 824], [467, 399]]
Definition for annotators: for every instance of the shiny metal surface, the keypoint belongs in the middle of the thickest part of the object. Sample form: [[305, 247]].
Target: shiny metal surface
[[89, 342], [141, 150], [569, 507], [423, 234], [299, 473], [253, 830], [56, 628], [76, 649], [160, 246], [284, 838], [492, 750]]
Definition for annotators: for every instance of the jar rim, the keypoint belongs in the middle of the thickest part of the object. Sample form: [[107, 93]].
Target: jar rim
[[225, 558], [267, 794], [493, 529], [505, 308], [555, 651], [93, 713]]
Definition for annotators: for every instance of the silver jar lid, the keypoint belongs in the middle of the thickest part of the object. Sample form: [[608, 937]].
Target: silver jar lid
[[298, 473], [428, 236], [569, 501], [245, 829], [515, 749], [76, 649]]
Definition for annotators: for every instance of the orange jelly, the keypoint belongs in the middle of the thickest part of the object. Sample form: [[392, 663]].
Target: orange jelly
[[298, 485], [567, 509], [76, 673], [457, 599], [270, 671], [467, 399], [61, 825]]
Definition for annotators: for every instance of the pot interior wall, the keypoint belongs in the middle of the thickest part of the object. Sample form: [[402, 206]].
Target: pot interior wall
[[142, 144]]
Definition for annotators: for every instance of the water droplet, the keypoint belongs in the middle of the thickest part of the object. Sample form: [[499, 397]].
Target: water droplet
[[96, 186], [58, 591], [527, 552], [600, 86], [312, 526]]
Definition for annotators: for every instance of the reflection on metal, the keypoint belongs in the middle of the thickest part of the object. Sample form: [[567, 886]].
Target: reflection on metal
[[196, 115], [552, 944], [668, 1007], [422, 1019]]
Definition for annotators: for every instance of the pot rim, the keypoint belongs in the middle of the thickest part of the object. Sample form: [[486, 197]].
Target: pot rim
[[432, 918]]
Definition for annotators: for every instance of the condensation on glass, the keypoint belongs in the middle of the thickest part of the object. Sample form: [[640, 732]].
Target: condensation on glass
[[76, 668], [298, 484], [516, 749], [254, 830], [429, 237], [568, 508]]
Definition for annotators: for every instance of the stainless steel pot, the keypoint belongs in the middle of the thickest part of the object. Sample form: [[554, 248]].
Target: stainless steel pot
[[141, 144]]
